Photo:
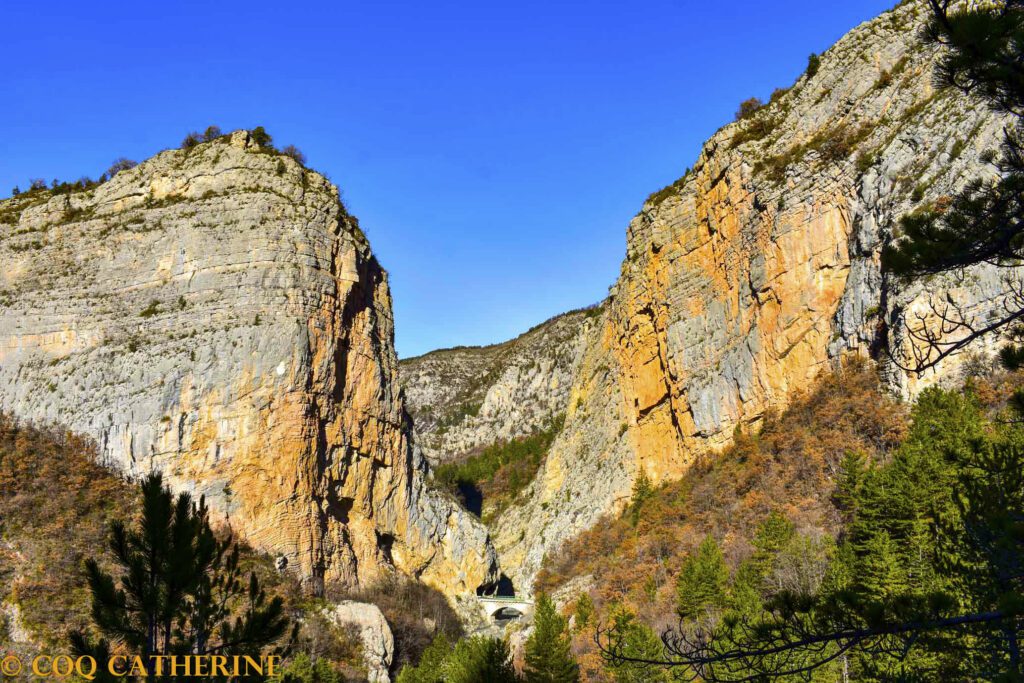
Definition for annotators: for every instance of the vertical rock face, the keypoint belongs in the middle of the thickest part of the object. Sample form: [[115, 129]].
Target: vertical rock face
[[216, 315], [757, 270], [470, 397]]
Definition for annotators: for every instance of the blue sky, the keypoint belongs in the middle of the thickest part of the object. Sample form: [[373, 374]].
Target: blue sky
[[493, 151]]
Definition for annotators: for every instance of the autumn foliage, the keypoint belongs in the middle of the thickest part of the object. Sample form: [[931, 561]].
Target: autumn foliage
[[788, 466]]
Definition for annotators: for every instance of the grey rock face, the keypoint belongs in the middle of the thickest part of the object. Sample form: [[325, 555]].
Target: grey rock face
[[374, 634], [215, 314]]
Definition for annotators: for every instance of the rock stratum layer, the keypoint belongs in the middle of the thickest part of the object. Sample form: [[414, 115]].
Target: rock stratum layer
[[758, 269], [215, 314]]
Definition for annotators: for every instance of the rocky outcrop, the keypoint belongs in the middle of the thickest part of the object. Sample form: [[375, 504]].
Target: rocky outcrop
[[757, 270], [465, 398], [215, 314], [373, 632]]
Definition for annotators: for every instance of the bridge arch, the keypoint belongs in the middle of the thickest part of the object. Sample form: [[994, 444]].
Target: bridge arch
[[505, 607]]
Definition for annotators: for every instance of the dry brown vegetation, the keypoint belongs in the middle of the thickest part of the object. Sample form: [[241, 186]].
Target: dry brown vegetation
[[416, 614], [55, 505], [789, 466]]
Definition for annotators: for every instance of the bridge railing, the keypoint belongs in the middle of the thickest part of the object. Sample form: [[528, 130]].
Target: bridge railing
[[503, 598]]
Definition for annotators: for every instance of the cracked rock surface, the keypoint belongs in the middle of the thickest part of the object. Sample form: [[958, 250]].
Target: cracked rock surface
[[215, 314], [755, 272]]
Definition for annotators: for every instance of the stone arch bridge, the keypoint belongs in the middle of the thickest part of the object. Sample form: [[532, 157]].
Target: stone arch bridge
[[505, 607]]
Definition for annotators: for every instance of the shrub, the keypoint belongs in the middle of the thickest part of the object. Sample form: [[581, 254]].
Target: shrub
[[302, 669], [261, 137], [211, 133], [813, 64], [839, 143], [191, 140], [293, 152], [411, 609], [759, 126], [152, 309], [37, 184], [748, 107], [50, 484], [16, 191], [119, 165], [658, 196], [866, 160]]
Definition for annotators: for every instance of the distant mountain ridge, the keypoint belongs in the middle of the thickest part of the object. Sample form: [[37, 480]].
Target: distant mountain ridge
[[465, 398]]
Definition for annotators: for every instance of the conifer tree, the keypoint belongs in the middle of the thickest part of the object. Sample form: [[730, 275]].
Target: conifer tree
[[430, 668], [637, 641], [179, 589], [478, 659], [772, 536], [703, 582], [548, 650], [642, 491]]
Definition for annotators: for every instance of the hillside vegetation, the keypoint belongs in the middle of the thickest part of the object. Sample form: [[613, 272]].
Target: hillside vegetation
[[489, 480], [838, 490], [56, 506]]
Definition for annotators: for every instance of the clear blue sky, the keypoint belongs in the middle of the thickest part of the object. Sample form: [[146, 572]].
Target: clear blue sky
[[493, 151]]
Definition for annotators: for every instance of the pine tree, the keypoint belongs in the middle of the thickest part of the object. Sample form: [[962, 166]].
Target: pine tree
[[880, 574], [636, 640], [849, 481], [772, 536], [180, 589], [584, 611], [642, 492], [548, 650], [479, 659], [703, 582], [302, 669], [430, 668]]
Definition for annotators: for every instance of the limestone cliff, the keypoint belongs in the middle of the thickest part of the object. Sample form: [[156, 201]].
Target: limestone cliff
[[756, 270], [216, 314], [468, 397]]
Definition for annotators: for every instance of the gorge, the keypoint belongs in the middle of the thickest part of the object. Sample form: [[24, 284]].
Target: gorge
[[216, 314]]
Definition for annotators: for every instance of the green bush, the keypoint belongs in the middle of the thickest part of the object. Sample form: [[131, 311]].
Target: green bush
[[120, 164], [261, 137], [302, 669], [813, 64], [152, 309]]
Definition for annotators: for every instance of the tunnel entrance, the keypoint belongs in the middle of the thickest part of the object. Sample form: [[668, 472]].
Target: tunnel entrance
[[472, 497]]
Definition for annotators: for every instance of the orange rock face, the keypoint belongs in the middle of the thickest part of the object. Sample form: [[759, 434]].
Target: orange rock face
[[758, 269]]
